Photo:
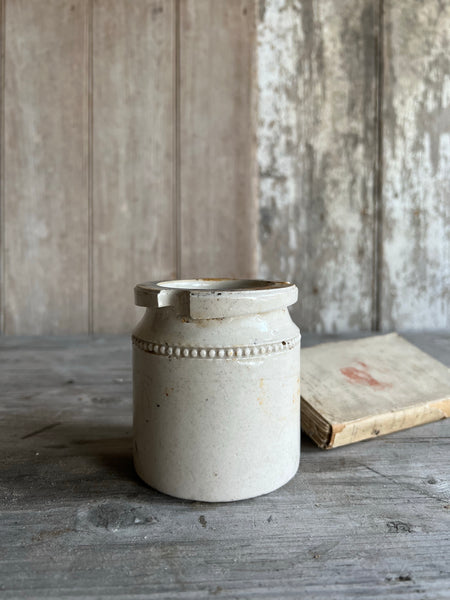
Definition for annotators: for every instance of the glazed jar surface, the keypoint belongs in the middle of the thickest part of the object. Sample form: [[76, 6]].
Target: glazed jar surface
[[216, 388]]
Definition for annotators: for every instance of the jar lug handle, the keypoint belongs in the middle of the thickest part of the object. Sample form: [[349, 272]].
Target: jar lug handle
[[167, 298]]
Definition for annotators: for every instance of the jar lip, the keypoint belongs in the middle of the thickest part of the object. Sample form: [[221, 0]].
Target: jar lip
[[211, 298], [221, 284]]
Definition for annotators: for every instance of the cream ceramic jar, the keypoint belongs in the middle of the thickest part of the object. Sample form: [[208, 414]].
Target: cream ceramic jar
[[216, 384]]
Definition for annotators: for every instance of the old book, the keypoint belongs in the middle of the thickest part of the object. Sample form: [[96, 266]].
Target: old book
[[365, 388]]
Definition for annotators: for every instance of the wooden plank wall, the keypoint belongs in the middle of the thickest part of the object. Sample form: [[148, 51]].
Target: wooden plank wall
[[416, 165], [127, 154], [45, 171], [320, 234], [133, 204], [149, 139], [354, 160], [218, 224]]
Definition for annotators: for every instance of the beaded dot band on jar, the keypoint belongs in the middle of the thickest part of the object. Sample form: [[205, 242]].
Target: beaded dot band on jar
[[236, 352]]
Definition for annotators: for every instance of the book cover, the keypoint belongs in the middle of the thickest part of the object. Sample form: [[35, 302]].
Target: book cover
[[359, 389]]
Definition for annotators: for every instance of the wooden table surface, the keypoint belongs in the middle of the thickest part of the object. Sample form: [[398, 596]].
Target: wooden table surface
[[370, 520]]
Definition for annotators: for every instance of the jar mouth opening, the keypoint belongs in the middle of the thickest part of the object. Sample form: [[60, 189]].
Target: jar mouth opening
[[216, 298], [224, 284]]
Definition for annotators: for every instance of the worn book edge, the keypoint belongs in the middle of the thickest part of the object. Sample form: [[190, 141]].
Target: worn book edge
[[330, 435]]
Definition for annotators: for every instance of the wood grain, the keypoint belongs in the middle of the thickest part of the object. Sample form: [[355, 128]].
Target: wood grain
[[369, 520], [217, 218], [138, 136], [45, 167], [278, 138], [133, 166], [416, 165], [317, 146], [316, 215]]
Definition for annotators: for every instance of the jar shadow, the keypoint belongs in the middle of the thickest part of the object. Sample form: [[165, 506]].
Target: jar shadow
[[86, 461], [69, 460]]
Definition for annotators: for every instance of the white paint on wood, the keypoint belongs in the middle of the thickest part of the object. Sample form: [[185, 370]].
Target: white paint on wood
[[416, 166], [45, 167], [317, 134], [133, 162], [277, 131]]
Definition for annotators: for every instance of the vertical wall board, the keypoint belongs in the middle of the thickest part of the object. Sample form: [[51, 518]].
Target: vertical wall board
[[218, 213], [45, 168], [133, 132], [278, 139], [416, 167], [317, 149]]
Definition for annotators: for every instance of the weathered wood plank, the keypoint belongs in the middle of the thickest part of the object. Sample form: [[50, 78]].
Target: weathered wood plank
[[133, 104], [317, 146], [416, 165], [369, 520], [45, 167], [217, 219]]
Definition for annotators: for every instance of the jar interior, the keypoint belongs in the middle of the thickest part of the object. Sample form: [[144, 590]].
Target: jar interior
[[220, 284]]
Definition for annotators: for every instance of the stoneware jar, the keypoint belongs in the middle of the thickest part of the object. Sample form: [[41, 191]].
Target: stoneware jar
[[216, 379]]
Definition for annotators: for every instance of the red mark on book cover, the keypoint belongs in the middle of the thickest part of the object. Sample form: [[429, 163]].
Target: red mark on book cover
[[361, 375]]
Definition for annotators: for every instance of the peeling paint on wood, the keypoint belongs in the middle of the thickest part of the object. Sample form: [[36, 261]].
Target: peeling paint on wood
[[277, 142], [416, 186], [316, 152], [142, 178]]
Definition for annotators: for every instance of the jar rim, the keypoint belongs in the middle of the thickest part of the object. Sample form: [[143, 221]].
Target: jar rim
[[221, 284], [210, 298]]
